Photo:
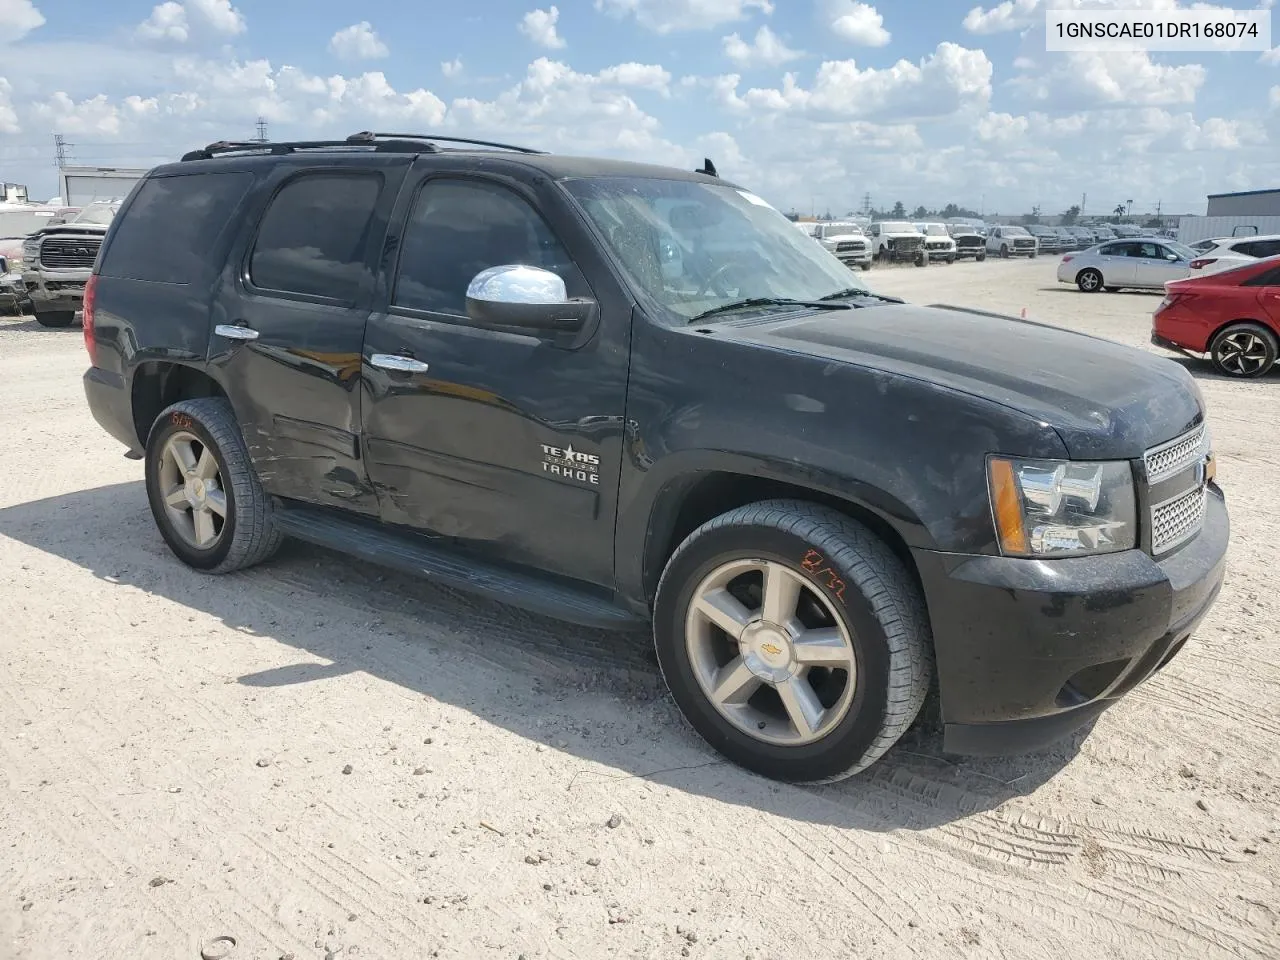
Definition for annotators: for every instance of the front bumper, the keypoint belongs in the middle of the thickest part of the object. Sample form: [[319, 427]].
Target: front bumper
[[941, 253], [55, 290], [1030, 650], [900, 253], [975, 252]]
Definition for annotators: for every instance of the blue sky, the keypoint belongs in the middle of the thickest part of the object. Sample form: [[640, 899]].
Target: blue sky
[[812, 103]]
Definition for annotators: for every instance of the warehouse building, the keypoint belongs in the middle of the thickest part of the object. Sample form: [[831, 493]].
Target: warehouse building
[[1250, 203]]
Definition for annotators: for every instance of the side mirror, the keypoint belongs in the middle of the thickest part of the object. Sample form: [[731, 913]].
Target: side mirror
[[1172, 257], [525, 299], [4, 266]]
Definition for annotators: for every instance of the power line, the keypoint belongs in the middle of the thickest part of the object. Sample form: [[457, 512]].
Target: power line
[[60, 148], [262, 131]]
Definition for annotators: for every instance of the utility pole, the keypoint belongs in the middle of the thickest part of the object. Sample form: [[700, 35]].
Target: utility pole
[[866, 202], [1158, 220], [60, 148], [262, 131], [1084, 198]]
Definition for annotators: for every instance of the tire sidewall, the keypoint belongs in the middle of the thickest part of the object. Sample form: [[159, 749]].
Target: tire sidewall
[[839, 750], [1257, 330], [1090, 272], [172, 421]]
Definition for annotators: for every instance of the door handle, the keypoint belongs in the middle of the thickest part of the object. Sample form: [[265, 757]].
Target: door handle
[[232, 332], [391, 361]]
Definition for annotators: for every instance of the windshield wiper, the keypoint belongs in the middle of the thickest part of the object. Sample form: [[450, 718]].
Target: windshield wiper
[[823, 304], [861, 292]]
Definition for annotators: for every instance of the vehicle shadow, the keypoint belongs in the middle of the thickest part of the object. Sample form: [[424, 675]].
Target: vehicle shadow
[[401, 629], [29, 325], [1203, 370]]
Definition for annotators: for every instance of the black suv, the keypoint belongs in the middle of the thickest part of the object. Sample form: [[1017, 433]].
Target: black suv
[[621, 394]]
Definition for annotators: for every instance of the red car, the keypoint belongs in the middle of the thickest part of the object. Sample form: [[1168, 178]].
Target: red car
[[1233, 316]]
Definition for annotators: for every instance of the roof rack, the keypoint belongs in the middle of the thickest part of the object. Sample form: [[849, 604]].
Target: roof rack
[[379, 142], [368, 136]]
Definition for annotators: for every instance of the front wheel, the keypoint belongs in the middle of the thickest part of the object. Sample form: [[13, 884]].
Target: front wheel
[[1243, 350], [922, 260], [793, 639], [204, 493], [865, 265], [1004, 251], [980, 257], [55, 318]]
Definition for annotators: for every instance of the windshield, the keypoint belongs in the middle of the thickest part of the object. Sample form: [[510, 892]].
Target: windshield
[[897, 226], [1015, 232], [694, 247], [842, 230], [95, 213], [935, 230], [1181, 249]]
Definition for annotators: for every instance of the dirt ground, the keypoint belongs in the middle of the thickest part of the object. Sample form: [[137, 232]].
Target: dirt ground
[[323, 760]]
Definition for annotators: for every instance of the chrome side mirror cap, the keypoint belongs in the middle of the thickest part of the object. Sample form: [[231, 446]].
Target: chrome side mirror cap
[[525, 299]]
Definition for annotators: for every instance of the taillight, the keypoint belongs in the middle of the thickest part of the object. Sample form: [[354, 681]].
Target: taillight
[[1203, 262], [90, 342], [1068, 258], [1171, 299]]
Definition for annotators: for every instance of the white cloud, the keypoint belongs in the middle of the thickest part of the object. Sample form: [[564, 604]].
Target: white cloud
[[168, 21], [358, 42], [1271, 56], [1275, 97], [857, 22], [1114, 78], [671, 16], [173, 21], [452, 68], [1010, 15], [8, 115], [950, 79], [540, 27], [766, 50], [17, 19], [642, 76]]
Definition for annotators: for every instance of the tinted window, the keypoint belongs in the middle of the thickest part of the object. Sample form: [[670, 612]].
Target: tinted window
[[169, 231], [1268, 278], [459, 228], [1259, 248], [1115, 250], [314, 236]]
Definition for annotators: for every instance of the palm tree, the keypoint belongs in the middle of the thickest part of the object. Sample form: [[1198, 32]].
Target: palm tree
[[1118, 211]]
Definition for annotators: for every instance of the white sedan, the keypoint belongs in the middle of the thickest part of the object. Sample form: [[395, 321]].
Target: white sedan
[[1143, 264]]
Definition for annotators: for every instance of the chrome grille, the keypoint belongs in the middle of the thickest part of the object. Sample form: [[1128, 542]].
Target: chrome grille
[[849, 246], [1175, 456], [69, 254], [1178, 520]]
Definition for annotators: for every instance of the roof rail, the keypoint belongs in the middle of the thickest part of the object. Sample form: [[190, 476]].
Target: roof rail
[[368, 136], [389, 145]]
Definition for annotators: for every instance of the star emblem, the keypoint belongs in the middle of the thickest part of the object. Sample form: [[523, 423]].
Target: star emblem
[[568, 453]]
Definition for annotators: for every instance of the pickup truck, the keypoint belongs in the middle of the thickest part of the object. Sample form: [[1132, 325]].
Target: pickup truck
[[58, 260], [632, 397]]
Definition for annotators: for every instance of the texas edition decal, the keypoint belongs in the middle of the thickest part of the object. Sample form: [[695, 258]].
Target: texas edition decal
[[570, 464]]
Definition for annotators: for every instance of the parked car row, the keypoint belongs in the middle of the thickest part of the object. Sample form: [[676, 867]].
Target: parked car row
[[1148, 264]]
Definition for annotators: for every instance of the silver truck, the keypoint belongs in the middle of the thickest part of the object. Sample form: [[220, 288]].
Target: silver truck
[[58, 260]]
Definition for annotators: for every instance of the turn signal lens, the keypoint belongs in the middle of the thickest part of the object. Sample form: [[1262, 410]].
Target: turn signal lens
[[1007, 506]]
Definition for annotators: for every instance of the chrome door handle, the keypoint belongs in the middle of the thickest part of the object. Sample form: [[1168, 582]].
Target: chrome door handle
[[391, 361], [232, 332]]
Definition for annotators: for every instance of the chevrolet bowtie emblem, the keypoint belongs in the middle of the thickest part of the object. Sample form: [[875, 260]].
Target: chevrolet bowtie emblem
[[770, 649]]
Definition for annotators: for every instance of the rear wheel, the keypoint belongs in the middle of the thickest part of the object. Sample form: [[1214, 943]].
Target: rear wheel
[[55, 318], [793, 639], [1089, 281], [204, 493], [1244, 350]]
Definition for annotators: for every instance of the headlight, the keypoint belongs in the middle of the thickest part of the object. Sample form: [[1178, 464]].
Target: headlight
[[1056, 508], [31, 250]]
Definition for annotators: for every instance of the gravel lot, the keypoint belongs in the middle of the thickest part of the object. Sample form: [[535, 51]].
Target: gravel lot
[[324, 760]]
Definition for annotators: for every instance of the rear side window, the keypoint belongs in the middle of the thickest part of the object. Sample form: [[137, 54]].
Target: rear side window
[[168, 232], [314, 235]]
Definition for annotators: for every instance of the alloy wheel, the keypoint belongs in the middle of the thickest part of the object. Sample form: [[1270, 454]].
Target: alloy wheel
[[770, 652], [1242, 353], [195, 500]]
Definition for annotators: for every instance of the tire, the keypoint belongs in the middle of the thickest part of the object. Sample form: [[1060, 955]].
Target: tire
[[246, 535], [864, 266], [849, 579], [1031, 256], [950, 261], [1089, 280], [55, 318], [1004, 252], [981, 257], [922, 260], [1243, 350]]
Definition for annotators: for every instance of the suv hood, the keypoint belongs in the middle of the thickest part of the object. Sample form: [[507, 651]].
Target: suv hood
[[78, 229], [1106, 401]]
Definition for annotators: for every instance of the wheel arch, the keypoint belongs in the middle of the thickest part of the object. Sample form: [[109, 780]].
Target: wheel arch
[[686, 502], [157, 384], [1267, 324]]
